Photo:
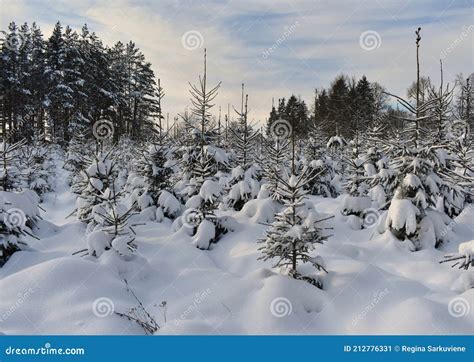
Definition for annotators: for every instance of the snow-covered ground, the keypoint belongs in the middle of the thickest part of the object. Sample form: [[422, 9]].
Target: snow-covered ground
[[375, 285]]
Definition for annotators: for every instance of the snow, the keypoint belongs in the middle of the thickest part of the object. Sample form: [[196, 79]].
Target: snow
[[170, 204], [356, 203], [260, 210], [374, 285], [25, 200], [97, 242], [467, 248], [402, 214], [205, 233], [210, 191]]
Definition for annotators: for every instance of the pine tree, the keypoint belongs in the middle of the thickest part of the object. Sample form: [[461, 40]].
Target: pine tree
[[206, 227], [18, 214], [243, 185], [365, 103], [356, 201], [244, 136], [111, 228], [275, 162], [36, 166], [58, 94], [412, 213], [77, 156], [293, 234], [99, 177], [9, 173]]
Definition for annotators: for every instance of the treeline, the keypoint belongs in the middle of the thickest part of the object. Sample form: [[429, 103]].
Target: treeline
[[63, 84], [349, 106]]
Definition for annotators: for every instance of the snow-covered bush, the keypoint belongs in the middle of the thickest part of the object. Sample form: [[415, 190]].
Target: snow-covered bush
[[293, 235], [78, 156], [275, 162], [464, 258], [200, 215], [99, 177], [244, 186], [37, 169], [323, 185], [9, 172], [18, 213], [156, 167], [112, 229]]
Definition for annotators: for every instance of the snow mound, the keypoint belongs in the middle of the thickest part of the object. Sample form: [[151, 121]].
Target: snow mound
[[402, 214], [260, 210]]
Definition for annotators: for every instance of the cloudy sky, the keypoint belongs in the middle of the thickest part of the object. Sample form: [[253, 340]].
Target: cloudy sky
[[275, 47]]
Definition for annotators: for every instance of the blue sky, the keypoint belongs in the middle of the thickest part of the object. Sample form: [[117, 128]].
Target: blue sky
[[311, 41]]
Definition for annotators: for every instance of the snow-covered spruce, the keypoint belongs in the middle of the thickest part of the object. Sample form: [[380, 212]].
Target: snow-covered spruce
[[18, 214], [37, 169], [244, 182], [276, 160], [422, 182], [242, 186], [9, 171], [150, 185], [323, 184], [112, 228], [294, 233], [78, 156], [200, 218], [99, 177], [357, 200]]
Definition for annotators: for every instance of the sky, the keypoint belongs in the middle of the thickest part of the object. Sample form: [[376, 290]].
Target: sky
[[277, 48]]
